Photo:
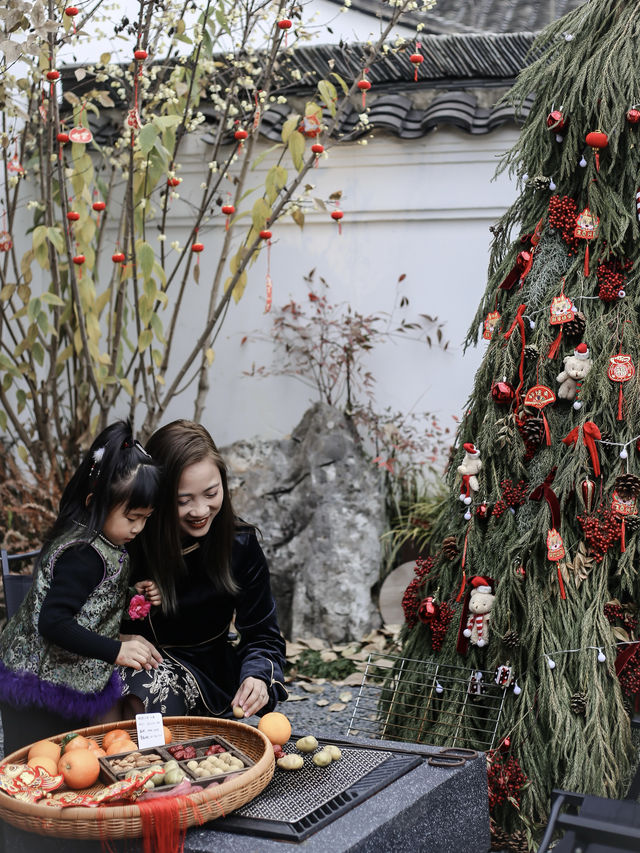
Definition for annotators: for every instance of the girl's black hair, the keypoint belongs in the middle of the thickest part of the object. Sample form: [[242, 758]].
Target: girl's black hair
[[117, 471], [159, 547]]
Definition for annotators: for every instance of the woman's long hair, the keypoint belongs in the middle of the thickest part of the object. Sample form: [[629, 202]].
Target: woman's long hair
[[117, 471], [176, 446]]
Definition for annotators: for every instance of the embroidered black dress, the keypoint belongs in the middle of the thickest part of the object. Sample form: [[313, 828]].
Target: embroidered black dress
[[202, 668]]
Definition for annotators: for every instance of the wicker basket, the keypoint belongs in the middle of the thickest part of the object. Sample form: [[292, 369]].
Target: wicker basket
[[124, 821]]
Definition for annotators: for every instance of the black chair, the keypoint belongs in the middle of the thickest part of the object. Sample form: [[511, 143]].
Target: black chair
[[15, 585]]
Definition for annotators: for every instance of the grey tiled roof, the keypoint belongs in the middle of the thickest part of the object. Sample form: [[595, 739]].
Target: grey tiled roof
[[477, 16]]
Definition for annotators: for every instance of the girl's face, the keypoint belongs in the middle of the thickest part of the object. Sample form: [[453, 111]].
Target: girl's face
[[122, 525], [200, 496]]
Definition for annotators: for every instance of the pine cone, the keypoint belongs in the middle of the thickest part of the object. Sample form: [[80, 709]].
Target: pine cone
[[511, 639], [631, 523], [533, 430], [575, 328], [517, 842], [538, 182], [605, 435], [578, 703], [450, 547], [627, 486], [499, 838], [531, 353]]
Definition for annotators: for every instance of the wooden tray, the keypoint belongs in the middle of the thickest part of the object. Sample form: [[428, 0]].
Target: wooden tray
[[124, 821]]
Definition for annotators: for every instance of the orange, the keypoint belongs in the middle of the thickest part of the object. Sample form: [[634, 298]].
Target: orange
[[77, 742], [168, 737], [45, 762], [96, 750], [121, 744], [45, 747], [111, 735], [276, 727], [80, 768]]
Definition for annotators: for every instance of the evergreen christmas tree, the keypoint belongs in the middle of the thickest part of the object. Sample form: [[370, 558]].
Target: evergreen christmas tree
[[523, 625]]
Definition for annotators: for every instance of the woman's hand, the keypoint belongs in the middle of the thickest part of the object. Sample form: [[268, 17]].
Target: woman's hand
[[251, 696], [138, 653], [150, 591]]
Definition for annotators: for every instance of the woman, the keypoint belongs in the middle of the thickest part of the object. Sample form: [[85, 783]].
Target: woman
[[210, 570]]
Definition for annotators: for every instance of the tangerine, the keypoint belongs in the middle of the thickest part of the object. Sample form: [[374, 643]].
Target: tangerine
[[276, 727], [111, 735], [45, 747], [45, 762], [80, 768], [121, 745], [77, 742], [95, 747], [168, 736]]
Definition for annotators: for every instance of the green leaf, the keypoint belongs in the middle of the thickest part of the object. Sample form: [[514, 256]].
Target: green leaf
[[146, 336], [128, 387], [260, 214], [164, 122], [298, 217], [38, 352], [7, 292], [289, 127], [329, 95], [263, 154], [343, 85], [156, 325], [146, 258], [147, 137], [296, 148], [276, 179], [3, 420], [52, 299], [39, 235]]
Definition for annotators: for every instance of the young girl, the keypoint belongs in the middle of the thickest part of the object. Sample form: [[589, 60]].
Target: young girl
[[59, 650]]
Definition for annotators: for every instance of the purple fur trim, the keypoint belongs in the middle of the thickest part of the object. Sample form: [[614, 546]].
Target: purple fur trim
[[26, 690]]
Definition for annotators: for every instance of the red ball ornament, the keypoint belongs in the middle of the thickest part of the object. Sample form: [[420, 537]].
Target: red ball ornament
[[633, 115], [140, 55], [73, 216], [502, 392], [62, 138], [71, 11], [482, 512], [79, 260], [52, 76], [597, 139], [228, 209], [555, 120], [364, 85], [285, 24], [337, 215], [240, 135], [317, 148], [197, 247], [117, 257], [506, 744], [265, 234], [428, 611], [416, 58], [98, 206], [174, 182]]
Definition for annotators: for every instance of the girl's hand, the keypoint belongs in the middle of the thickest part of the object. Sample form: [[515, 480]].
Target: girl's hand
[[137, 653], [251, 696], [150, 591]]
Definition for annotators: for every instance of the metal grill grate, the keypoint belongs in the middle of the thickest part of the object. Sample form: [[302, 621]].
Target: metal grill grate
[[424, 701]]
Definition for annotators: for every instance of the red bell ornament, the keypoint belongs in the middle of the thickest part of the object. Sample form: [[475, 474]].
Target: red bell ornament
[[117, 257], [62, 138], [502, 392], [79, 260], [197, 247], [140, 55], [228, 209], [73, 216], [597, 140], [416, 59], [6, 243], [98, 206], [364, 86], [285, 24], [588, 493], [317, 148], [240, 136]]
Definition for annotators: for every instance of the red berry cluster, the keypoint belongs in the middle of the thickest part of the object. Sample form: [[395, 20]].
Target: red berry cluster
[[440, 624], [506, 779], [616, 612], [600, 533], [498, 508], [423, 567], [612, 279], [629, 678], [563, 212], [514, 496], [411, 601]]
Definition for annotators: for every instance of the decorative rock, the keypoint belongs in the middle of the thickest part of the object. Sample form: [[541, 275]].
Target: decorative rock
[[318, 502]]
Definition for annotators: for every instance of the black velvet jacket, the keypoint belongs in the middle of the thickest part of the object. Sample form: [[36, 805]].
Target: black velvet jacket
[[196, 636]]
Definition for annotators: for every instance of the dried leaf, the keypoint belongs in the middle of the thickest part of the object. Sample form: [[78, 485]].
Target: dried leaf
[[327, 656], [316, 644], [322, 702], [354, 679], [345, 696], [295, 697], [336, 706], [311, 688]]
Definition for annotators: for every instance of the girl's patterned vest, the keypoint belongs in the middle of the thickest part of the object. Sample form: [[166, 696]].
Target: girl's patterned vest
[[34, 671]]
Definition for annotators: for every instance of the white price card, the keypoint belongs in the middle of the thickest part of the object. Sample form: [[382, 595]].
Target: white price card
[[150, 732]]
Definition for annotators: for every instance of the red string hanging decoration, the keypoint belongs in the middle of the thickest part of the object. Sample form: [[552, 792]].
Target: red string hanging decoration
[[620, 370], [538, 397], [265, 234], [518, 323], [364, 85], [337, 216], [79, 133], [416, 59], [590, 434], [133, 116], [197, 247], [228, 209], [52, 76], [624, 506], [72, 12], [61, 138], [586, 229], [561, 311], [597, 140], [240, 135], [555, 546], [99, 207], [285, 25]]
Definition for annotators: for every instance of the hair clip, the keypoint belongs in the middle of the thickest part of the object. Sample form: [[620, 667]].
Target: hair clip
[[97, 459], [141, 448]]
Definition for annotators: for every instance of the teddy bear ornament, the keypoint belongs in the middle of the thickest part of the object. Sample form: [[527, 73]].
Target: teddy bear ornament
[[576, 369], [480, 603], [469, 468]]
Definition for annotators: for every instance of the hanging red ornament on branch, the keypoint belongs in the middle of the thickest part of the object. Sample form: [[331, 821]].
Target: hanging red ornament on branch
[[240, 135], [364, 85], [620, 370], [597, 140], [502, 392], [586, 229], [538, 397], [633, 115], [228, 210], [416, 60], [72, 12], [265, 234], [561, 311], [491, 321], [612, 279], [557, 123], [118, 257], [590, 434], [285, 24], [80, 134], [563, 211]]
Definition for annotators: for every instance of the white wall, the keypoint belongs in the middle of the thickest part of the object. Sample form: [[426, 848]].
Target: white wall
[[422, 208]]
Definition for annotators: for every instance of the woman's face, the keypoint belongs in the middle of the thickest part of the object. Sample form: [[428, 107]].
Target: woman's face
[[200, 495]]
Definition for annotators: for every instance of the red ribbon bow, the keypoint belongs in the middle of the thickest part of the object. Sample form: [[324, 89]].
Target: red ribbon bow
[[590, 434]]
